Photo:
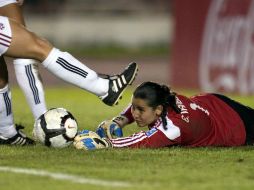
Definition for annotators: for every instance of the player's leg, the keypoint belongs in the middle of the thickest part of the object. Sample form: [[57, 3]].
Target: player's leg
[[13, 10], [66, 67], [29, 80], [26, 70], [246, 114], [8, 133], [6, 118]]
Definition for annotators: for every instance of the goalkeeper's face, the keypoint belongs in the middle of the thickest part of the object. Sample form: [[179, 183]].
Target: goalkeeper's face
[[143, 114]]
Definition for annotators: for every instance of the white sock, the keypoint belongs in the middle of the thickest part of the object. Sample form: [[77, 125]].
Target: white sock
[[7, 127], [69, 69], [28, 78]]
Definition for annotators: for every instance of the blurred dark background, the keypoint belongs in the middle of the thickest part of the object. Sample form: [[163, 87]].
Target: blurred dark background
[[98, 6], [93, 23]]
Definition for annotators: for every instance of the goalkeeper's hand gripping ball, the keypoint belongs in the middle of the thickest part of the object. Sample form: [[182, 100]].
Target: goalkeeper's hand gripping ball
[[109, 129], [89, 140]]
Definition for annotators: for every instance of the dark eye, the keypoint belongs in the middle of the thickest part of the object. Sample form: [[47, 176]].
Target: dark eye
[[141, 109]]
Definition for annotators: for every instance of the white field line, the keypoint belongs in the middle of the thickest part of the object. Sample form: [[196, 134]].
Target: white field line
[[65, 177]]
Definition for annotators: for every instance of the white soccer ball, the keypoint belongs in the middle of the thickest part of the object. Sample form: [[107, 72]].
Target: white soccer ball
[[55, 128]]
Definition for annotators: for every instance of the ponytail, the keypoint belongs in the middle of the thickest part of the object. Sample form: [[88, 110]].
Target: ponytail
[[169, 101]]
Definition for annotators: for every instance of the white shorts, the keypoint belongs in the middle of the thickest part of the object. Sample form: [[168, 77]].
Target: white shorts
[[5, 34], [7, 2]]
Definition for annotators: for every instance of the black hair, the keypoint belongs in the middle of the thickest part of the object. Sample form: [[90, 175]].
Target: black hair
[[155, 95]]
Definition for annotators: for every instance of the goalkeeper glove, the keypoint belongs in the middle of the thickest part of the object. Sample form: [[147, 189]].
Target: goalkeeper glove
[[109, 129], [90, 140]]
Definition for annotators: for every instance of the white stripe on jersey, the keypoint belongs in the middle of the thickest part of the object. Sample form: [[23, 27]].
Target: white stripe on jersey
[[127, 141], [130, 143]]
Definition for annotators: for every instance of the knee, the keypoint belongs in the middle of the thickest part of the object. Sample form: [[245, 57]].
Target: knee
[[40, 47]]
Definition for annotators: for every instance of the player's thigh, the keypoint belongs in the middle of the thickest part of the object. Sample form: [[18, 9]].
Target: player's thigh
[[25, 44], [14, 12]]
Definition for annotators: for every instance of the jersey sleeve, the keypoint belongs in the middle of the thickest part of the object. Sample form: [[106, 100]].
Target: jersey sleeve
[[149, 139], [156, 137]]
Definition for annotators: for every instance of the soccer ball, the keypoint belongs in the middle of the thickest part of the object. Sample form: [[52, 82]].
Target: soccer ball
[[55, 128]]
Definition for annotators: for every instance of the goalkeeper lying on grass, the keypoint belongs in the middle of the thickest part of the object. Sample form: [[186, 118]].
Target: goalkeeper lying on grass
[[173, 119]]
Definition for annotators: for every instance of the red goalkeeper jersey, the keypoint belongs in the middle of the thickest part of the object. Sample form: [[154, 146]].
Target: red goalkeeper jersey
[[205, 120]]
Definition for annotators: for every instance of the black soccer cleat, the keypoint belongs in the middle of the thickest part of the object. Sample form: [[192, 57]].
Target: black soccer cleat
[[118, 83], [19, 139]]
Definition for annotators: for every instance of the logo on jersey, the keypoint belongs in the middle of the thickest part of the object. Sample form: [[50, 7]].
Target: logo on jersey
[[151, 132]]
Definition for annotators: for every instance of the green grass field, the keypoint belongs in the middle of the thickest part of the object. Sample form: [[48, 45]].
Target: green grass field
[[168, 168]]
